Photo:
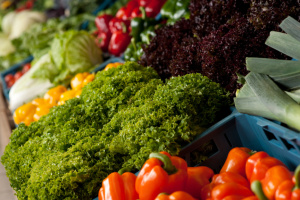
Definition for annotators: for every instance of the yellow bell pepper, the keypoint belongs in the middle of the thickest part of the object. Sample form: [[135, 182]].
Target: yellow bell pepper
[[77, 81], [25, 113], [66, 96], [112, 65], [53, 95], [88, 79]]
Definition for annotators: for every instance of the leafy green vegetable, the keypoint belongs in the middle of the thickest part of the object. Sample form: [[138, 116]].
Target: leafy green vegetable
[[71, 52], [120, 117]]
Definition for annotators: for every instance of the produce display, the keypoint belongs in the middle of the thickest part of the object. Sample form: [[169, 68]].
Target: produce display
[[151, 99], [245, 175]]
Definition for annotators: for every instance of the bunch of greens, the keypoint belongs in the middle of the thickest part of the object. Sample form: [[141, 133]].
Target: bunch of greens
[[120, 117]]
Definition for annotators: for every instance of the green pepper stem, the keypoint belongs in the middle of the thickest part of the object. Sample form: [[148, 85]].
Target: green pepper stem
[[258, 191], [143, 11], [297, 178], [167, 163]]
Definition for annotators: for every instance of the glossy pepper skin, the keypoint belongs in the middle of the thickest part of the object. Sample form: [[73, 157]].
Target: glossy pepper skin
[[289, 189], [24, 114], [118, 43], [118, 187], [102, 22], [262, 166], [224, 178], [153, 7], [236, 160], [53, 95], [159, 175], [112, 65], [273, 178], [221, 191], [178, 195], [252, 160], [198, 177]]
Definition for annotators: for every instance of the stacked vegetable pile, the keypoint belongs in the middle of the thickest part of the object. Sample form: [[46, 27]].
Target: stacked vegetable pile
[[120, 117], [217, 38], [245, 175]]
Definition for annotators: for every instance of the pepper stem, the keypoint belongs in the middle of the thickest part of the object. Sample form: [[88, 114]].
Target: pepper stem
[[297, 178], [257, 189], [167, 163], [143, 11]]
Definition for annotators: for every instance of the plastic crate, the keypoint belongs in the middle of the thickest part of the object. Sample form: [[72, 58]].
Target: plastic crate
[[241, 130], [12, 70]]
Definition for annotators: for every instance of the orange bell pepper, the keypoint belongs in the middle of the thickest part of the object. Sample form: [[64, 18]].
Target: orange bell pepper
[[159, 175], [266, 188], [289, 189], [252, 160], [237, 197], [224, 178], [178, 195], [236, 160], [262, 166], [118, 187], [221, 191], [198, 177]]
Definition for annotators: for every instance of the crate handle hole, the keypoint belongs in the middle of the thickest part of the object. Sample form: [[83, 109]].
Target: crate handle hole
[[287, 143], [269, 135]]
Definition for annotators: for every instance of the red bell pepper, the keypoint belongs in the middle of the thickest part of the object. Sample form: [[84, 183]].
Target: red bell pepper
[[266, 188], [125, 12], [153, 7], [289, 189], [118, 43], [178, 195], [159, 175], [102, 22], [103, 39], [237, 197], [116, 24], [221, 191], [236, 160], [198, 177], [118, 187]]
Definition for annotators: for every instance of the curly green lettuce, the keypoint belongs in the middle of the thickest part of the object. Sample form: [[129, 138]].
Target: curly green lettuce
[[120, 117]]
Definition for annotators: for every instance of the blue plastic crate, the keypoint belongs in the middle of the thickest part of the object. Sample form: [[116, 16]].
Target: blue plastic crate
[[241, 130], [12, 70]]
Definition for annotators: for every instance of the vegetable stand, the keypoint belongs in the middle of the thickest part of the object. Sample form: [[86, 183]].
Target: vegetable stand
[[151, 98]]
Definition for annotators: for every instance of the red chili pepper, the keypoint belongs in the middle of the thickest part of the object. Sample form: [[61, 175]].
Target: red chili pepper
[[252, 160], [227, 189], [262, 166], [118, 43], [236, 160], [103, 40], [159, 175], [153, 7], [118, 187], [102, 22], [178, 195], [289, 189], [117, 24], [198, 177]]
